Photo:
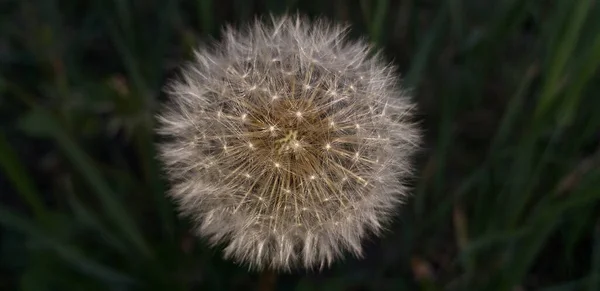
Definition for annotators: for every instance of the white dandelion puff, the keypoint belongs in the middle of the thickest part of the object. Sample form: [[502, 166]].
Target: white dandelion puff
[[301, 171]]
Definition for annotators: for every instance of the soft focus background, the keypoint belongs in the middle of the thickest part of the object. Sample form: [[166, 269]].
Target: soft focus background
[[507, 188]]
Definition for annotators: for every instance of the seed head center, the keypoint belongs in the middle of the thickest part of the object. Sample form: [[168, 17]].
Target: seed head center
[[289, 142]]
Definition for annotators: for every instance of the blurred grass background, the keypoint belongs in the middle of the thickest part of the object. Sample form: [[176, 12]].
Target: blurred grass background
[[508, 183]]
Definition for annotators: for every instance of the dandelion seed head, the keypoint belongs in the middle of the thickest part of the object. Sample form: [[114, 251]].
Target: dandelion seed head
[[299, 172]]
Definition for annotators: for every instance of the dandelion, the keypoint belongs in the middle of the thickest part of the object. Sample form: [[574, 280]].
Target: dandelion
[[287, 143]]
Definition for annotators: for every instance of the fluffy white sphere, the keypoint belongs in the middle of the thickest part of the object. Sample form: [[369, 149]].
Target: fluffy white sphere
[[287, 143]]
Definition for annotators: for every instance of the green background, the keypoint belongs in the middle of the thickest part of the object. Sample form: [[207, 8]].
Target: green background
[[507, 188]]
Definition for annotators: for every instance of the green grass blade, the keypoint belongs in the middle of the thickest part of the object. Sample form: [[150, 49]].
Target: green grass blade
[[426, 47], [377, 22], [575, 285], [456, 17], [574, 91], [543, 221], [205, 14], [145, 88], [489, 240], [131, 64], [556, 70], [243, 10], [280, 6], [513, 110], [44, 121], [21, 180], [529, 179], [594, 282], [86, 218], [147, 154], [69, 254], [484, 43], [123, 13]]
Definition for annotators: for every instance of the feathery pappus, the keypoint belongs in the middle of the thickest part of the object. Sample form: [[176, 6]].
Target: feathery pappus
[[288, 143]]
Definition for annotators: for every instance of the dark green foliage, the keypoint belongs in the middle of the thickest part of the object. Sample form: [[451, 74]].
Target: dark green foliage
[[507, 191]]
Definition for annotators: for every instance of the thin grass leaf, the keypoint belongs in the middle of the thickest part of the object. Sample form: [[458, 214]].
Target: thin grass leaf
[[280, 6], [69, 254], [505, 21], [144, 104], [243, 9], [131, 64], [16, 173], [143, 135], [145, 90], [521, 196], [428, 45], [442, 209], [113, 208], [153, 64], [543, 220], [456, 17], [594, 281], [124, 18], [491, 240], [377, 22], [575, 285], [366, 11], [556, 70], [147, 153], [573, 93], [88, 219], [205, 14], [444, 140], [513, 110]]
